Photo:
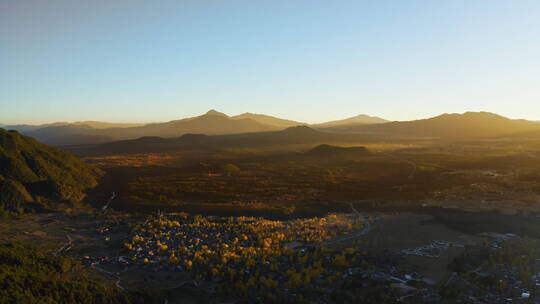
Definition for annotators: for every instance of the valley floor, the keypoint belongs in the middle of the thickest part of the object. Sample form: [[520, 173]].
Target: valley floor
[[410, 257]]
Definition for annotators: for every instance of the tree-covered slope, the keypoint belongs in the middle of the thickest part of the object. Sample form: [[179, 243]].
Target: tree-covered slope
[[32, 172], [31, 276]]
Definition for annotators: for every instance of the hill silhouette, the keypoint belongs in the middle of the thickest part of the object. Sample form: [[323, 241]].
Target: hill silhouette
[[79, 139], [291, 135], [193, 138], [90, 124], [450, 127], [325, 150], [216, 113], [269, 120], [63, 135], [211, 123], [29, 128], [361, 119], [470, 125], [32, 172], [299, 135], [105, 125]]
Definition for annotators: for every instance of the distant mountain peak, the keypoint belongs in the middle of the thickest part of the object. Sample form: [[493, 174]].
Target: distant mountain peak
[[358, 119], [453, 126], [216, 113], [363, 116], [471, 115]]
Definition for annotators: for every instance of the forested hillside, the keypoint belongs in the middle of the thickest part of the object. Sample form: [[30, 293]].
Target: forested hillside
[[34, 175]]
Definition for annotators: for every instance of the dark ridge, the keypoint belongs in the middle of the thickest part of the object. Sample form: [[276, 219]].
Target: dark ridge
[[193, 138], [328, 150], [149, 139], [34, 172], [300, 130]]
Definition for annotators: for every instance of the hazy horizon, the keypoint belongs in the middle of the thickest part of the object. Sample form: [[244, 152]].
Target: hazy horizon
[[236, 114], [306, 61]]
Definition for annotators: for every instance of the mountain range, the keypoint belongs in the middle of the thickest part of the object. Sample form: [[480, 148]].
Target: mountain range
[[91, 124], [468, 125], [210, 123], [356, 120]]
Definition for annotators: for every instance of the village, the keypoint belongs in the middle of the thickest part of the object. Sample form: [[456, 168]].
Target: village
[[311, 260]]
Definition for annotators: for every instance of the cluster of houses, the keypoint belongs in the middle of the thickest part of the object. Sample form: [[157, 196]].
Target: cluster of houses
[[254, 254], [249, 254], [431, 250]]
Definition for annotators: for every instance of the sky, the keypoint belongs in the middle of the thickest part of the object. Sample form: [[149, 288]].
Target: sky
[[307, 60]]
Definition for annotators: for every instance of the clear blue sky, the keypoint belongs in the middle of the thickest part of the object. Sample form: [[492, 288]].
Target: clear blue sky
[[140, 61]]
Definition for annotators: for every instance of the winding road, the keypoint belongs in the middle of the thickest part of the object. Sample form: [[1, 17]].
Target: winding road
[[113, 196], [66, 246], [112, 274]]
